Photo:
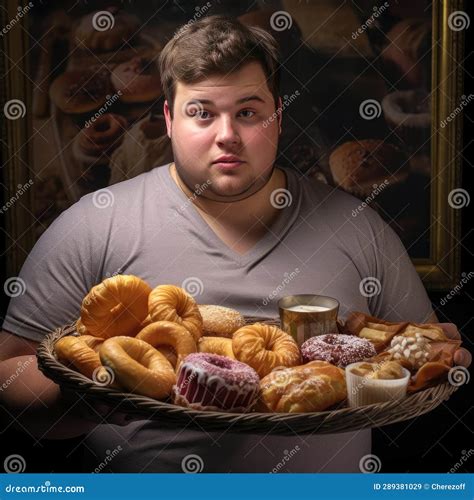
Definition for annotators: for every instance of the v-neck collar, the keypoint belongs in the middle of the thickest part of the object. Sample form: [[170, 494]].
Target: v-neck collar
[[265, 244]]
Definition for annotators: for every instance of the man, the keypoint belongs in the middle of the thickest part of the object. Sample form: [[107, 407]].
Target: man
[[213, 219]]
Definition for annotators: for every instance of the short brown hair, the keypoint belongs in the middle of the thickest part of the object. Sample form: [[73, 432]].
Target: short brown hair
[[217, 45]]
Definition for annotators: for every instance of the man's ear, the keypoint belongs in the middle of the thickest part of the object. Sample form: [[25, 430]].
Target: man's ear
[[167, 113], [280, 105]]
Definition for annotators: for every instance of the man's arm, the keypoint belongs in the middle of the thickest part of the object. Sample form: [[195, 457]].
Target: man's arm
[[29, 401]]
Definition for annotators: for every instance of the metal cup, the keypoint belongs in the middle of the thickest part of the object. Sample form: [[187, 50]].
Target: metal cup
[[304, 316]]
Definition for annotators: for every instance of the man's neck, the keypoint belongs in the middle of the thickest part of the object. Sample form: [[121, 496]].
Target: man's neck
[[238, 214]]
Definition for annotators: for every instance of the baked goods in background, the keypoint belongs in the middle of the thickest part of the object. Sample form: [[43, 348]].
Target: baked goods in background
[[95, 143], [172, 303], [81, 352], [359, 167], [167, 333], [137, 80], [315, 386], [83, 91], [265, 347], [216, 345], [145, 146], [106, 30], [337, 349], [138, 367], [212, 382], [219, 321], [117, 306], [369, 383]]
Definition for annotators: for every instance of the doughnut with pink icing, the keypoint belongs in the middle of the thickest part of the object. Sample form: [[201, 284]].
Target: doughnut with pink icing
[[337, 349], [213, 382]]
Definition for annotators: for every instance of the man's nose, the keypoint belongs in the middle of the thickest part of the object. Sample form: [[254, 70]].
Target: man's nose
[[227, 132]]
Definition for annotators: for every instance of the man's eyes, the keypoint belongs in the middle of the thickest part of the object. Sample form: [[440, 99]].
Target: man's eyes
[[206, 115]]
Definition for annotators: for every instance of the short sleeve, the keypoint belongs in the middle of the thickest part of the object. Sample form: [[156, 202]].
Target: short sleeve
[[402, 296], [54, 278]]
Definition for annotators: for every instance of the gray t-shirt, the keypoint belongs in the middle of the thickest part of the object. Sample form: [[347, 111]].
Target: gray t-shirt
[[322, 242]]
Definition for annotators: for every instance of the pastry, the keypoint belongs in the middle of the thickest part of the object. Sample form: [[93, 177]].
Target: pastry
[[171, 334], [80, 352], [413, 349], [172, 303], [359, 167], [106, 29], [216, 345], [81, 91], [220, 321], [137, 80], [265, 347], [213, 382], [94, 144], [145, 145], [138, 367], [117, 306], [369, 383], [337, 349], [315, 386], [408, 114], [408, 43]]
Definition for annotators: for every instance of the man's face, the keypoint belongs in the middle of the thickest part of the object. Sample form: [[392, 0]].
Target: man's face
[[225, 118]]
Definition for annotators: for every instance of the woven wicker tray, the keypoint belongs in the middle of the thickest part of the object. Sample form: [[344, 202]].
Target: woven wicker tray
[[170, 415]]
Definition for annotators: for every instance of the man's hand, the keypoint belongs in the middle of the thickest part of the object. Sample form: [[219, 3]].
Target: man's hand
[[462, 356]]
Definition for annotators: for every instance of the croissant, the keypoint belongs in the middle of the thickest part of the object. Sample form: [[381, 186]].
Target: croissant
[[314, 386], [116, 307]]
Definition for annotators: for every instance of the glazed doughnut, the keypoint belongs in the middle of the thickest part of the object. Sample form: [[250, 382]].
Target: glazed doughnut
[[315, 386], [218, 321], [138, 366], [117, 306], [172, 303], [216, 345], [171, 334], [337, 349], [81, 352], [137, 80], [265, 347], [212, 382]]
